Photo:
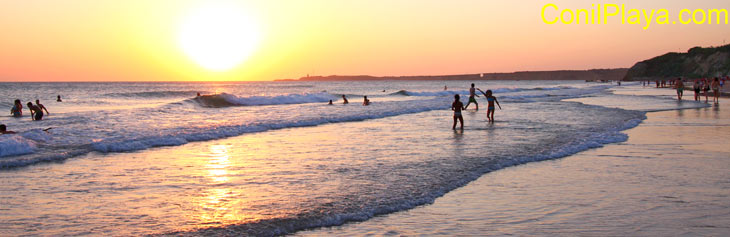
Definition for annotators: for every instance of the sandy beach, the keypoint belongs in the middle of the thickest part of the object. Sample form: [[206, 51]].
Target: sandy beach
[[668, 179]]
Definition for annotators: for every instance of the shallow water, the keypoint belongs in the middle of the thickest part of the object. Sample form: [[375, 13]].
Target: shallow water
[[166, 166]]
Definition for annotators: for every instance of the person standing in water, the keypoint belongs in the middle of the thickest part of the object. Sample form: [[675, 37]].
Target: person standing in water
[[17, 110], [680, 88], [457, 106], [59, 98], [472, 94], [365, 101], [35, 112], [490, 106], [344, 100], [716, 90], [696, 88], [706, 88], [40, 106]]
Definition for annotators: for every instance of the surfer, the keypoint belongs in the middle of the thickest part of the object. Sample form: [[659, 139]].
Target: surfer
[[38, 103], [457, 106], [490, 107], [344, 100], [17, 109], [365, 101], [472, 94], [4, 130], [35, 112]]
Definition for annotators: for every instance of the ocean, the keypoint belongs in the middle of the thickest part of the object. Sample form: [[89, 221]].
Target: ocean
[[270, 158]]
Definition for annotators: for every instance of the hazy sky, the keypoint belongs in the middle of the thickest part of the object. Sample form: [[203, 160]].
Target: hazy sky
[[98, 40]]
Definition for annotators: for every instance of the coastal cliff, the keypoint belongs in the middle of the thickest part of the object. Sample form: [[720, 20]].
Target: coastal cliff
[[593, 75], [697, 62]]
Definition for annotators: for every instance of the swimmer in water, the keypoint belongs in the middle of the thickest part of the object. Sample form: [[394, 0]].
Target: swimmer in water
[[365, 101], [59, 99], [344, 100], [17, 110], [4, 130], [38, 103]]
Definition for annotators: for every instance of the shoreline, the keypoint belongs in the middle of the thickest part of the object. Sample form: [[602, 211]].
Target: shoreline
[[643, 186]]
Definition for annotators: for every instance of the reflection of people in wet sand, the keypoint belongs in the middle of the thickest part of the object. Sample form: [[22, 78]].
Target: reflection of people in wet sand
[[35, 112], [490, 107], [365, 101], [17, 109], [472, 94], [59, 99], [680, 88], [457, 106], [4, 130], [344, 100], [38, 103]]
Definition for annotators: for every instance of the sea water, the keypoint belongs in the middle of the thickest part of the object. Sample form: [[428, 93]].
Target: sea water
[[268, 158]]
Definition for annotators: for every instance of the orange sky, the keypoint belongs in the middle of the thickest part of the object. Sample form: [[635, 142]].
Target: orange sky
[[91, 40]]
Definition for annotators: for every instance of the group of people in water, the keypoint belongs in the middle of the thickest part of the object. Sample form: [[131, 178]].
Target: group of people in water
[[365, 101], [36, 111], [457, 106], [700, 85]]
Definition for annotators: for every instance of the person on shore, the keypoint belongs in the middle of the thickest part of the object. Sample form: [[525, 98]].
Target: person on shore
[[17, 110], [696, 87], [4, 130], [680, 88], [490, 106], [472, 94], [706, 88], [457, 106], [344, 100], [365, 101], [657, 83], [716, 90], [38, 103], [58, 98], [35, 112]]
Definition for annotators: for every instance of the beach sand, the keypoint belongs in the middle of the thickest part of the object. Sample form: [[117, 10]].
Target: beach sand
[[669, 178]]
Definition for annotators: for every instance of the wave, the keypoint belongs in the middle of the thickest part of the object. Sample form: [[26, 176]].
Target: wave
[[466, 92], [155, 94], [226, 100]]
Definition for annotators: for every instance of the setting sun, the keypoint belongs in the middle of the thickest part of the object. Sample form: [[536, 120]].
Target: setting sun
[[218, 37]]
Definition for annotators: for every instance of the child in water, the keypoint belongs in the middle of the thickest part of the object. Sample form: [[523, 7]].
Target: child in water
[[490, 107], [457, 106], [35, 112], [17, 109]]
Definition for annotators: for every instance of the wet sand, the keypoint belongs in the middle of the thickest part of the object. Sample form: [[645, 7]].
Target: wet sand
[[670, 178]]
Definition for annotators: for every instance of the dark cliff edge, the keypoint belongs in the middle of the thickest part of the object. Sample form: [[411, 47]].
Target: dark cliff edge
[[696, 63], [592, 75]]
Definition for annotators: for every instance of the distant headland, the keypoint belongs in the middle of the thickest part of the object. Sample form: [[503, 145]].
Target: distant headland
[[697, 62], [592, 75]]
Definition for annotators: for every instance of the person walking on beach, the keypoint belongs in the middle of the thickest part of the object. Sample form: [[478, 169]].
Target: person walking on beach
[[365, 101], [35, 112], [490, 106], [344, 100], [696, 88], [716, 90], [38, 103], [17, 110], [680, 88], [457, 106], [472, 94], [706, 88]]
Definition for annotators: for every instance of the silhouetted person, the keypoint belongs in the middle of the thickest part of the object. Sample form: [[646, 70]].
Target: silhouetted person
[[490, 107], [59, 98], [17, 109], [4, 130], [330, 102], [35, 112], [457, 106], [680, 88], [40, 106], [344, 100], [365, 101], [198, 94], [716, 90], [472, 94]]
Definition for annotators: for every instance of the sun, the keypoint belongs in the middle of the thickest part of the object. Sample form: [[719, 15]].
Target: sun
[[218, 36]]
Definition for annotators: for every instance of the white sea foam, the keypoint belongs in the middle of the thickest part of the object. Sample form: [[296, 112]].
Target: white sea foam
[[14, 144]]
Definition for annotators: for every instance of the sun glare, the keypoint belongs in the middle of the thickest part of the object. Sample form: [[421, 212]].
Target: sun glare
[[218, 37]]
